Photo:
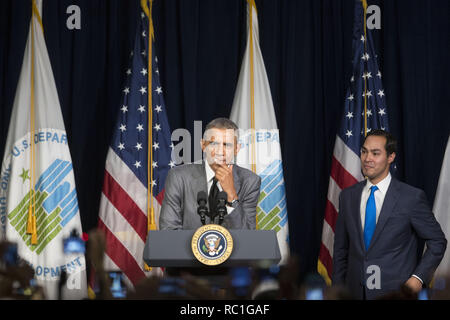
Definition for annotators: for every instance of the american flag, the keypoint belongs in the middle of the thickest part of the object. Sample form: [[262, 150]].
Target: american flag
[[365, 99], [124, 205]]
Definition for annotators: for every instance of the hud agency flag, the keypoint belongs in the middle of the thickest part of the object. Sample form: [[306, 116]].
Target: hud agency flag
[[260, 151], [441, 208], [38, 201]]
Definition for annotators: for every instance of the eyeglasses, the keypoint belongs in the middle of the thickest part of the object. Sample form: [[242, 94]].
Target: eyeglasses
[[215, 144]]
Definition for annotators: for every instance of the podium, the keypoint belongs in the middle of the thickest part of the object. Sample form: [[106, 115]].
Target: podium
[[172, 248]]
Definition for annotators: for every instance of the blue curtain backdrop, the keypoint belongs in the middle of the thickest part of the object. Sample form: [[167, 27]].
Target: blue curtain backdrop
[[200, 43]]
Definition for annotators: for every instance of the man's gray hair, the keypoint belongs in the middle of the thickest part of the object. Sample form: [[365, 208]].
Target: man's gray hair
[[222, 123]]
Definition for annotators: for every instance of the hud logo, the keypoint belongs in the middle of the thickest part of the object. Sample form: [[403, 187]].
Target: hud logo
[[55, 204]]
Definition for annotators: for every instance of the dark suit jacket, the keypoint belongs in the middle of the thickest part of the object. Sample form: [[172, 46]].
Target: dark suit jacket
[[179, 207], [405, 219]]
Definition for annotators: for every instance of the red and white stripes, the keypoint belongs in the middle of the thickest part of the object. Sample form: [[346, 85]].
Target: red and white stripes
[[123, 218], [345, 171]]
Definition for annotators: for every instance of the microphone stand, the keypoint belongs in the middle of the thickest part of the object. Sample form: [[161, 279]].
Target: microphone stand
[[202, 209], [221, 206]]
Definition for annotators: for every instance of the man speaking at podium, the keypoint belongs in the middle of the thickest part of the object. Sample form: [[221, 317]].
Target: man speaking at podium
[[188, 185]]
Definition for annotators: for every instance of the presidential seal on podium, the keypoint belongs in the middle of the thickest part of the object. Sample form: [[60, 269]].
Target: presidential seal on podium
[[212, 244]]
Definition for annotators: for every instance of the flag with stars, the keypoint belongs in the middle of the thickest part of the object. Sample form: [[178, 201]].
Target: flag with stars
[[364, 110], [124, 202]]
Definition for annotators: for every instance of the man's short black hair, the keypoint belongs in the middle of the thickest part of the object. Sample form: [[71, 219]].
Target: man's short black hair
[[222, 123], [391, 141]]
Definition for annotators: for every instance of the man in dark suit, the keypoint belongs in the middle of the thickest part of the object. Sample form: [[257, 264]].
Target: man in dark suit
[[380, 227], [217, 173]]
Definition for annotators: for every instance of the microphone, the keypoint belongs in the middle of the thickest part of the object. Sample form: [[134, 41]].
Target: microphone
[[221, 205], [202, 209]]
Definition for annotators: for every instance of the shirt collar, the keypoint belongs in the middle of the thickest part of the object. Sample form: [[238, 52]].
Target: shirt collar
[[383, 185], [210, 174]]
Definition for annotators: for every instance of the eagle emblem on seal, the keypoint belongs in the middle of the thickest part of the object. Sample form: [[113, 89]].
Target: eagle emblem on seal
[[212, 245]]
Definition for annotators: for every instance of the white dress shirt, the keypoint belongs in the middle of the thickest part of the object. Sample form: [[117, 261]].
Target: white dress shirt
[[210, 174], [379, 195]]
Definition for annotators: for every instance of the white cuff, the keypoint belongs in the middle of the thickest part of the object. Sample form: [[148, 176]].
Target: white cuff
[[229, 209], [417, 278]]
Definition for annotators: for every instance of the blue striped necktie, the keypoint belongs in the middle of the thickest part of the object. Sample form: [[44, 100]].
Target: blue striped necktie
[[370, 220]]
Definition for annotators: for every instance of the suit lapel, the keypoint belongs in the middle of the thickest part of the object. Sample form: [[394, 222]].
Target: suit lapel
[[236, 179], [386, 210], [356, 210], [199, 178]]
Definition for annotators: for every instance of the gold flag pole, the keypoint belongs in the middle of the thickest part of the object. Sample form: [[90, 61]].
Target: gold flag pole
[[251, 5], [31, 221], [364, 4], [151, 225]]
